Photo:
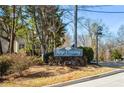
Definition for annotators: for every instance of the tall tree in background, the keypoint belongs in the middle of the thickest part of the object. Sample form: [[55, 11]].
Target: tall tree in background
[[12, 32], [68, 40], [30, 22], [52, 26], [49, 26], [5, 23], [8, 25], [91, 27], [11, 22], [120, 33]]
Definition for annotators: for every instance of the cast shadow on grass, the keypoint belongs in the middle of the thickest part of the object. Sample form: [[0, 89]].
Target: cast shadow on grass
[[39, 74]]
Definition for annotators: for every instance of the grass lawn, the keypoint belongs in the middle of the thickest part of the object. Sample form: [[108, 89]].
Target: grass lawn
[[37, 76]]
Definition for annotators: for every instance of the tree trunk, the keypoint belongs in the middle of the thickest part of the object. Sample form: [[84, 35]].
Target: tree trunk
[[39, 30], [12, 35], [12, 39], [1, 52]]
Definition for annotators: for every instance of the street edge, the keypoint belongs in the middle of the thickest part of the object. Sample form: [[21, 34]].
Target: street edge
[[70, 82]]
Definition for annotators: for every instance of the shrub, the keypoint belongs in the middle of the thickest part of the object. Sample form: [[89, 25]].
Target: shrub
[[116, 54], [18, 67], [16, 63], [88, 53], [36, 60], [68, 61], [12, 63], [5, 64], [101, 58], [48, 56], [22, 62]]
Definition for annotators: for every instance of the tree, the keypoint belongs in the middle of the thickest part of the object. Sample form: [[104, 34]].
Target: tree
[[68, 40], [116, 42], [49, 26], [91, 27], [120, 34], [116, 54], [35, 24], [11, 21], [12, 32]]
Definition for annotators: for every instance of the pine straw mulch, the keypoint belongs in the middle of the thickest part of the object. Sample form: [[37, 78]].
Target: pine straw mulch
[[45, 75]]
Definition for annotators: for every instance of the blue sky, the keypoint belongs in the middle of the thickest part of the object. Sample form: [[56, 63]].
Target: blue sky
[[111, 20]]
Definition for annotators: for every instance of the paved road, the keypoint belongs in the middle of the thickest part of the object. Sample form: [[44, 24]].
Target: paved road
[[116, 80], [119, 64]]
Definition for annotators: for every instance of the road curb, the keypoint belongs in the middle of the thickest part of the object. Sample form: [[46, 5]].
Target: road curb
[[86, 78]]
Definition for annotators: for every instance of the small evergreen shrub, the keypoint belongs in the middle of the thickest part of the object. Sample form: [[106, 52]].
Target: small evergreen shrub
[[116, 55], [18, 67], [36, 60], [88, 53], [5, 64]]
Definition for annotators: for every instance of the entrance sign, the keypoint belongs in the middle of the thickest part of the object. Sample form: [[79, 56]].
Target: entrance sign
[[68, 52]]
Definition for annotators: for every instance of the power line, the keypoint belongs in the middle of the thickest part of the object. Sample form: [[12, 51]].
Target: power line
[[95, 11], [101, 11]]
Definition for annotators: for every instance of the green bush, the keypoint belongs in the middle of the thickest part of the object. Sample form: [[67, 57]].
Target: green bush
[[23, 63], [5, 64], [13, 63], [18, 67], [47, 56], [36, 60], [116, 54], [88, 53], [101, 58]]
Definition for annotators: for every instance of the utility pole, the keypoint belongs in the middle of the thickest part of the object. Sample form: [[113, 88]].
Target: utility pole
[[98, 32], [97, 47], [75, 26]]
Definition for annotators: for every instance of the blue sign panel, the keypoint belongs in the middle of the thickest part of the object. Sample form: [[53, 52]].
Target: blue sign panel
[[68, 52]]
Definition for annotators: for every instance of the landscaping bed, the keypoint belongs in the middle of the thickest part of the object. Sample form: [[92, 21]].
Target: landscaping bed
[[30, 71], [44, 75]]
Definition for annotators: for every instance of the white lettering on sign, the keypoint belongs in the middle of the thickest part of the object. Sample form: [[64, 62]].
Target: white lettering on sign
[[70, 52]]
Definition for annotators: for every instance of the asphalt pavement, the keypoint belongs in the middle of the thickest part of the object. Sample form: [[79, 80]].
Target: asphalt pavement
[[116, 80]]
